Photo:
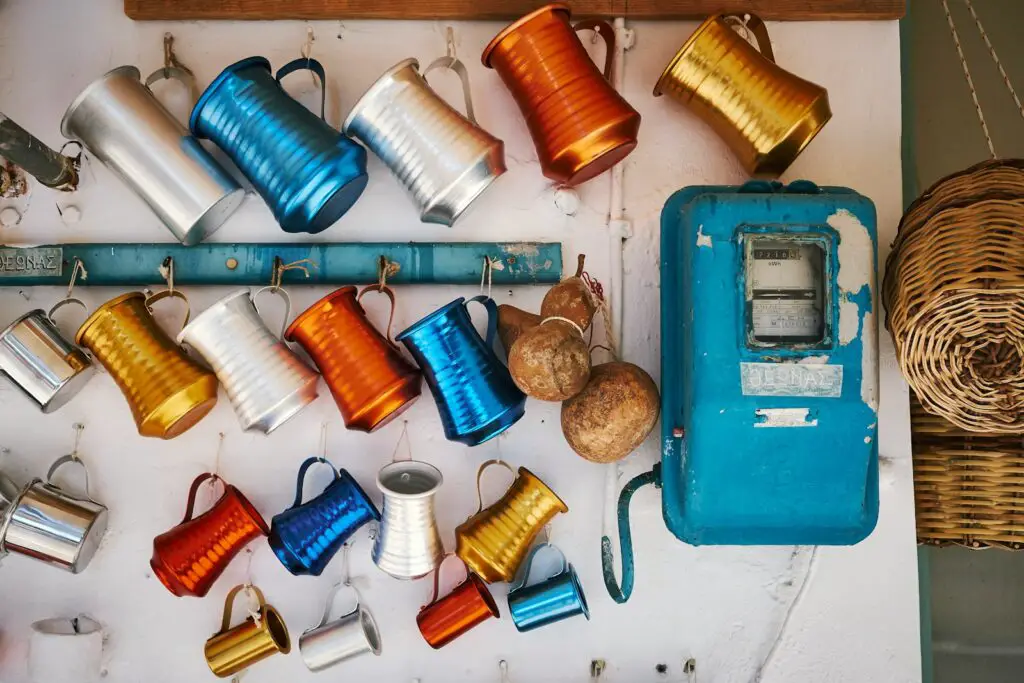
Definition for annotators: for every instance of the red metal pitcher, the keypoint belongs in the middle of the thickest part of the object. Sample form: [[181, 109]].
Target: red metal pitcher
[[580, 125], [469, 604], [370, 380], [189, 558]]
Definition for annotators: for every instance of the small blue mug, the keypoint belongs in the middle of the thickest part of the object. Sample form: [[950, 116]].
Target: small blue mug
[[559, 596]]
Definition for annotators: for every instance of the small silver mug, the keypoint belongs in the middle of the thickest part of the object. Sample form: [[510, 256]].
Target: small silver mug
[[352, 634]]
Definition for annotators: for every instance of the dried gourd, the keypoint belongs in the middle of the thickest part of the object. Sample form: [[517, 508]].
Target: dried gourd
[[512, 322], [570, 299], [551, 361]]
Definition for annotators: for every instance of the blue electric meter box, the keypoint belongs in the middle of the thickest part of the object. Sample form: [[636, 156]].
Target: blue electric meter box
[[769, 365]]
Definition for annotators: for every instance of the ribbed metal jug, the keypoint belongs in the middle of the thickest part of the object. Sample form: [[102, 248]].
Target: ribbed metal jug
[[472, 388], [48, 368], [494, 541], [766, 114], [265, 381], [167, 391], [122, 124], [559, 596], [190, 557], [51, 525], [307, 535], [260, 635], [371, 381], [444, 159], [308, 173], [408, 544], [580, 125], [352, 634]]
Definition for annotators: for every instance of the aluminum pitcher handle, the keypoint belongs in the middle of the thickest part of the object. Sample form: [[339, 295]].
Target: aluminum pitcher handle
[[309, 64], [194, 490], [480, 476], [386, 291], [437, 575], [229, 603], [621, 595], [605, 30], [177, 74], [332, 597], [287, 304], [64, 460], [460, 70], [492, 317], [61, 304], [170, 294], [309, 462], [757, 27], [523, 579]]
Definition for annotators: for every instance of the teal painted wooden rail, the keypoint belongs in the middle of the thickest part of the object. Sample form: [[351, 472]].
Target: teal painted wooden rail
[[514, 263]]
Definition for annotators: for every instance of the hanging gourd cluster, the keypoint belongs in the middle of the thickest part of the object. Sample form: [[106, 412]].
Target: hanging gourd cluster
[[309, 175]]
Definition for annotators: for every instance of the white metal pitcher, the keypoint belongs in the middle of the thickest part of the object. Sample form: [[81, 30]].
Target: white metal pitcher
[[66, 651], [444, 159], [265, 381], [352, 634], [408, 544]]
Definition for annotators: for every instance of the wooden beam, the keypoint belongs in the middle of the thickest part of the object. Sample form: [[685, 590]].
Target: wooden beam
[[176, 10]]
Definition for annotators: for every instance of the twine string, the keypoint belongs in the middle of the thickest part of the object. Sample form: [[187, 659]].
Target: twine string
[[967, 76]]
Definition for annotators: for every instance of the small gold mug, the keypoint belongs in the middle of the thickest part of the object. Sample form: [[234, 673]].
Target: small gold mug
[[261, 635]]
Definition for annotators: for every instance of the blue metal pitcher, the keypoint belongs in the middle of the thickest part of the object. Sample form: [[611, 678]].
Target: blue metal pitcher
[[473, 389], [307, 172], [307, 535], [558, 597]]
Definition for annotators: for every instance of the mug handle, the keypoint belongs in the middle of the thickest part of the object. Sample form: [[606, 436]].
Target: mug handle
[[460, 70], [480, 476], [64, 460], [168, 294], [332, 596], [287, 304], [492, 316], [309, 462], [437, 575], [194, 489], [524, 574], [605, 30], [60, 304], [386, 291], [757, 27], [229, 603], [312, 65]]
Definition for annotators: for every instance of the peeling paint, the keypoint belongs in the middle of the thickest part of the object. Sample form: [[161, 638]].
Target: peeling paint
[[869, 363], [523, 249], [702, 239], [784, 417], [814, 360], [856, 252], [849, 321]]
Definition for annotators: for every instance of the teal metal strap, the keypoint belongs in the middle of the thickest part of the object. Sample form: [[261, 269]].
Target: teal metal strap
[[621, 595], [132, 265]]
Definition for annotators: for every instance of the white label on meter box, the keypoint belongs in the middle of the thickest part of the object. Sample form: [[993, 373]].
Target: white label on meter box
[[786, 318], [791, 379]]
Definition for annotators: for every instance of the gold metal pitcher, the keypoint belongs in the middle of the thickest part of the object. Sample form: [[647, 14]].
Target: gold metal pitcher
[[234, 648], [766, 114], [167, 391], [494, 542]]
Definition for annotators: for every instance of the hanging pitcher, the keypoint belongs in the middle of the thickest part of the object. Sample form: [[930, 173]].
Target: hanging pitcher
[[559, 596], [469, 604], [352, 634], [262, 634], [265, 381], [47, 368], [765, 114], [444, 159], [494, 541], [307, 535], [408, 544], [580, 125], [308, 173], [120, 121], [370, 380], [167, 391], [474, 392], [189, 558], [62, 650], [49, 524]]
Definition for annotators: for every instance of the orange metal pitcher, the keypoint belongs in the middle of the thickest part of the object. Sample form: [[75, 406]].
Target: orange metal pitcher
[[580, 125], [469, 604], [189, 558], [167, 391], [370, 380]]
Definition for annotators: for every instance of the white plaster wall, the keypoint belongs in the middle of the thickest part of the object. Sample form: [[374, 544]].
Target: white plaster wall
[[857, 620]]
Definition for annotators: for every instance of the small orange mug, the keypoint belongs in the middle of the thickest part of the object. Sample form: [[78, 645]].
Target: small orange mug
[[469, 604]]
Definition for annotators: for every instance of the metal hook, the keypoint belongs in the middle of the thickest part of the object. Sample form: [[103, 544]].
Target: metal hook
[[79, 428], [216, 460], [450, 43], [307, 52], [382, 272], [690, 669], [277, 274], [345, 568], [77, 270], [323, 443], [503, 668], [486, 273], [167, 270]]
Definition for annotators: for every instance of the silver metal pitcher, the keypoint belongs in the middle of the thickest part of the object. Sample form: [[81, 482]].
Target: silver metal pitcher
[[444, 159], [49, 524], [352, 634], [41, 362], [408, 544], [119, 120], [265, 381]]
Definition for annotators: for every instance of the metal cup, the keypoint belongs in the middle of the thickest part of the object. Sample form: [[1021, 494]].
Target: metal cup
[[468, 605], [41, 362], [122, 123], [408, 544], [234, 648], [557, 597], [53, 526], [265, 381], [66, 651], [444, 159], [352, 634]]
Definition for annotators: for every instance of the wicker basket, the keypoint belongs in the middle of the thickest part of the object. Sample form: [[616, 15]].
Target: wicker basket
[[968, 487], [954, 297]]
